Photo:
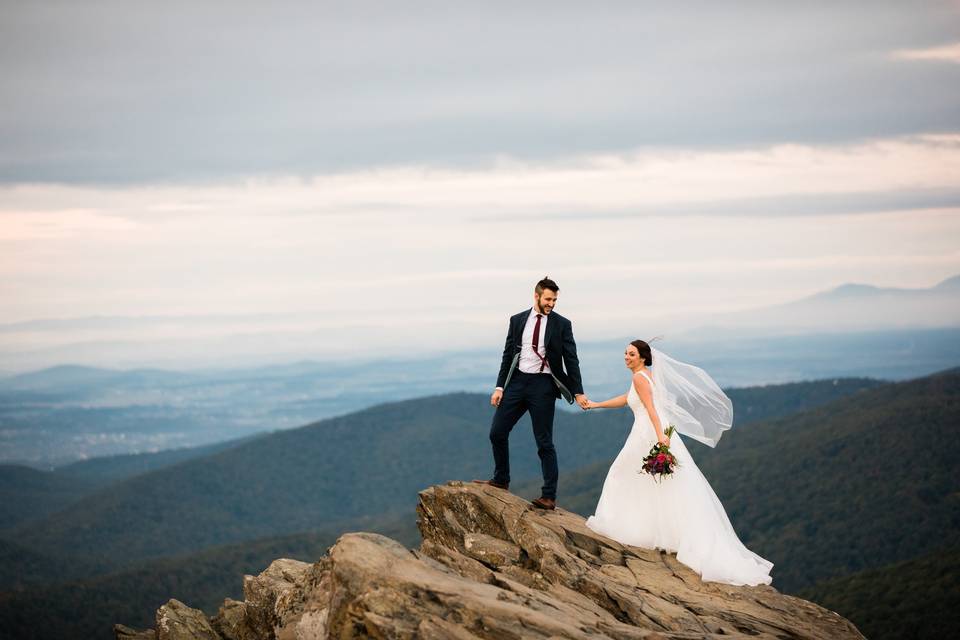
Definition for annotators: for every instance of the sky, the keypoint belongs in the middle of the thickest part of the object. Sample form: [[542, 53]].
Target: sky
[[395, 176]]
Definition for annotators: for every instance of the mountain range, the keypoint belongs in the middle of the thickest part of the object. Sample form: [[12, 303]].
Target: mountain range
[[367, 462], [853, 307], [69, 412], [813, 477], [54, 417]]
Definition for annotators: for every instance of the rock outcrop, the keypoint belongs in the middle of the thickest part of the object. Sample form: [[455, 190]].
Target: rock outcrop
[[491, 566]]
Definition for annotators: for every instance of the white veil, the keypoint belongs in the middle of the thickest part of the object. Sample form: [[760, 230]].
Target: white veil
[[689, 399]]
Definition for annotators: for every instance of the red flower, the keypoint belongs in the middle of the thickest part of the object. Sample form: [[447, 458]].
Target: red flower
[[661, 457]]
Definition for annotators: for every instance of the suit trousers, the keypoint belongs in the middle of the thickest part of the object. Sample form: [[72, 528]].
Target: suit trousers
[[536, 393]]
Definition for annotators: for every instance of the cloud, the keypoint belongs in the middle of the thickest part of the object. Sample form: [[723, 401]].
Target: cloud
[[114, 93], [386, 165], [883, 175], [710, 230], [946, 53]]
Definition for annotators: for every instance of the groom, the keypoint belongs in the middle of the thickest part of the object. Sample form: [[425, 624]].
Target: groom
[[539, 346]]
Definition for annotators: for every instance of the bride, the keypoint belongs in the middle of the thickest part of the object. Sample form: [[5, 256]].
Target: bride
[[680, 513]]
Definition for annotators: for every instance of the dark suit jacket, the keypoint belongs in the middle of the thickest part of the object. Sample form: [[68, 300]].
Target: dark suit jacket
[[561, 352]]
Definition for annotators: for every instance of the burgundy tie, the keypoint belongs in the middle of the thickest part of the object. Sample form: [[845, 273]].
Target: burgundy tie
[[536, 343]]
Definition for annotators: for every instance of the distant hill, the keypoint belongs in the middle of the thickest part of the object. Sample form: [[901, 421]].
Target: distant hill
[[909, 600], [60, 415], [856, 307], [109, 469], [858, 483], [29, 494], [752, 404], [26, 493], [21, 566], [81, 378], [88, 608], [370, 462]]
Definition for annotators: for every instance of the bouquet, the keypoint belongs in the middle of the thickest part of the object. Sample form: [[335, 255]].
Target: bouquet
[[660, 462]]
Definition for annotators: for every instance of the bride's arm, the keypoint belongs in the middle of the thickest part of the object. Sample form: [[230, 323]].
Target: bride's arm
[[642, 386], [612, 403]]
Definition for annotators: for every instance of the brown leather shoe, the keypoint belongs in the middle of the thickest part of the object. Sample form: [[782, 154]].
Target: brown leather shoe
[[545, 503], [505, 487]]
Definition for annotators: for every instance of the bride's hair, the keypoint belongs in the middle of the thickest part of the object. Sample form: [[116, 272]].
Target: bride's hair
[[644, 350]]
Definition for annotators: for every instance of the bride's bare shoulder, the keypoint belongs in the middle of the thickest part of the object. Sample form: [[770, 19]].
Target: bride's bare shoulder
[[640, 381]]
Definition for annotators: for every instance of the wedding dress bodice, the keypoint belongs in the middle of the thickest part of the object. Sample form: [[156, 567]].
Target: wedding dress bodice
[[642, 425], [633, 398]]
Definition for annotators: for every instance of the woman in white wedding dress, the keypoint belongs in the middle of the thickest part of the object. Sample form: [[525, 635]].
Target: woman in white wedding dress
[[680, 513]]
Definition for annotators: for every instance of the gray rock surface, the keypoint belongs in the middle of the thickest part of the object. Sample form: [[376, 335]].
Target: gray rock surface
[[123, 632], [177, 621], [231, 621], [491, 566]]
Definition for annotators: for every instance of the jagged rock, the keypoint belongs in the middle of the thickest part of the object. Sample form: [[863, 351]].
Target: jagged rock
[[467, 567], [302, 612], [123, 632], [262, 592], [231, 621], [490, 551], [491, 566], [644, 588], [177, 621]]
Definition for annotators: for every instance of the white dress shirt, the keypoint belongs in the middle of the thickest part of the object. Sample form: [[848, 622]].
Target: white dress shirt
[[529, 361]]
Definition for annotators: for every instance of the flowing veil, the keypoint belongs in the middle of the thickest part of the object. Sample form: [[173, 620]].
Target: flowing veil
[[690, 399]]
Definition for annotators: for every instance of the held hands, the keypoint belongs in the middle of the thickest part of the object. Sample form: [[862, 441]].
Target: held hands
[[582, 400]]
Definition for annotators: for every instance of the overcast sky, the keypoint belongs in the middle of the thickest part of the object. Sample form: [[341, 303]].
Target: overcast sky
[[389, 164]]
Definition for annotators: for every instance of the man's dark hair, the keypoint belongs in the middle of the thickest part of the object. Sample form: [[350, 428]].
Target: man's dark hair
[[546, 283]]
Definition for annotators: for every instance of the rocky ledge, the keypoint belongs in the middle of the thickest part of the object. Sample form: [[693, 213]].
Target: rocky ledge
[[491, 566]]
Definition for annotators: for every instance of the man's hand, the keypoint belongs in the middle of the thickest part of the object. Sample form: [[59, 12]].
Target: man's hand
[[496, 397], [582, 400]]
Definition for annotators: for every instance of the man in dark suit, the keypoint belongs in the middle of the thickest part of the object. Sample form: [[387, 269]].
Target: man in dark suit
[[539, 365]]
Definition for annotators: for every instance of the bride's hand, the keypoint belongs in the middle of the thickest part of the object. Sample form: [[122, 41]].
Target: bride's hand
[[664, 440], [590, 404]]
